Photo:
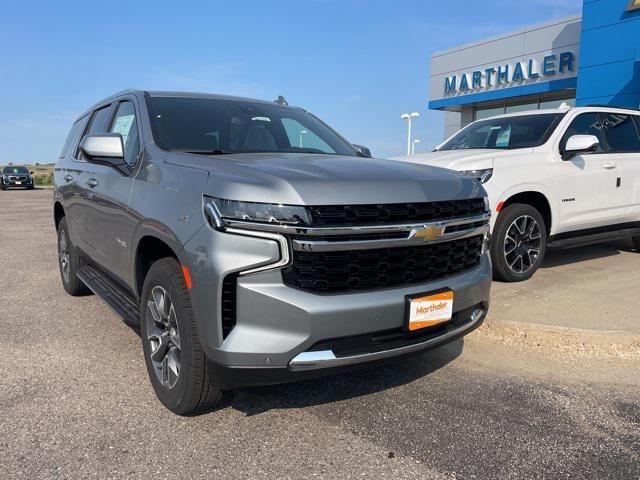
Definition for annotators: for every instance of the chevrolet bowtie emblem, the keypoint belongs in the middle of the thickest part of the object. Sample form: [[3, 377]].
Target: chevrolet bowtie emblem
[[430, 232]]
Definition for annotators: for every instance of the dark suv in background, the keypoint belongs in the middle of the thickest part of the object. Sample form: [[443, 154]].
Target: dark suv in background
[[254, 245], [12, 176]]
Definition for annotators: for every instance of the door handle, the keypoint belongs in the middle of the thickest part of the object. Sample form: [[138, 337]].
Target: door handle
[[68, 177], [609, 166], [92, 182]]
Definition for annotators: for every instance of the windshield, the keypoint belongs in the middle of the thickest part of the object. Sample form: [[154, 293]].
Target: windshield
[[214, 126], [14, 170], [522, 131]]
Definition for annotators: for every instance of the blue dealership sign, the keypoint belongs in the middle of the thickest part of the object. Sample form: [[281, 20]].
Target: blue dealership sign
[[508, 74]]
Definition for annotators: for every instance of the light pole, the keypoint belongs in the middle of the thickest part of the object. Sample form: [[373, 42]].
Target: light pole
[[413, 146], [302, 132], [408, 117]]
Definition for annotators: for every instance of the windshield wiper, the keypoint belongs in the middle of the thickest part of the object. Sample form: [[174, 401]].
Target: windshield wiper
[[214, 151]]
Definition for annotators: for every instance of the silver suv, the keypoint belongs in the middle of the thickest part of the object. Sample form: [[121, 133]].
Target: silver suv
[[254, 245]]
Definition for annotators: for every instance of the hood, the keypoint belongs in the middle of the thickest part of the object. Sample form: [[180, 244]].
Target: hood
[[310, 179], [472, 159]]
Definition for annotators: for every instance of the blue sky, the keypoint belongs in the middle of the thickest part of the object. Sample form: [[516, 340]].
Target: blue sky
[[357, 64]]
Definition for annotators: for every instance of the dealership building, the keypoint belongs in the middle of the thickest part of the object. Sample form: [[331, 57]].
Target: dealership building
[[593, 58]]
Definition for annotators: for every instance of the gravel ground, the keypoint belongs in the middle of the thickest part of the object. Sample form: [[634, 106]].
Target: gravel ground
[[75, 401]]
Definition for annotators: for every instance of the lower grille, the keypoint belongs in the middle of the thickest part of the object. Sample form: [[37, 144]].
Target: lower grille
[[380, 268], [392, 339], [229, 289]]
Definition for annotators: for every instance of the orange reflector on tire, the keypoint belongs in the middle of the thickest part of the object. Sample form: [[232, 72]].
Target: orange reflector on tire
[[187, 276]]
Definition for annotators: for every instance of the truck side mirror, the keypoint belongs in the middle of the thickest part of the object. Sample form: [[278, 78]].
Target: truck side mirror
[[105, 149], [577, 144], [362, 151]]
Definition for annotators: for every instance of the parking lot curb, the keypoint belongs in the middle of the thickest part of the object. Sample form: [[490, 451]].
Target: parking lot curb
[[600, 342]]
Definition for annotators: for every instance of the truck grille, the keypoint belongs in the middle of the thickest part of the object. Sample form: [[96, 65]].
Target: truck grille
[[395, 213], [381, 268]]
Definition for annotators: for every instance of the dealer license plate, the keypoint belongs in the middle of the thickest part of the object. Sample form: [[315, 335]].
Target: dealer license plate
[[429, 310]]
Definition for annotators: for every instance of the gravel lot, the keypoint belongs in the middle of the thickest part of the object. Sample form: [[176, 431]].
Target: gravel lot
[[75, 401]]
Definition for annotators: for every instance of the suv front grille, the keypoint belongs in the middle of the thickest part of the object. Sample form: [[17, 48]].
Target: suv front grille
[[338, 215], [381, 268]]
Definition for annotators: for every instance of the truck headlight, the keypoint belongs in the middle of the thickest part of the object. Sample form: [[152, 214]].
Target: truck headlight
[[482, 175], [218, 211]]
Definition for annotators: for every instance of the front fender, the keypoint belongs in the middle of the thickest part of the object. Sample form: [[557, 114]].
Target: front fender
[[498, 196]]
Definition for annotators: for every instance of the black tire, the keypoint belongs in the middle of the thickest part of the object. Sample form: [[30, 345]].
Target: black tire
[[192, 390], [636, 242], [30, 187], [516, 256], [68, 255]]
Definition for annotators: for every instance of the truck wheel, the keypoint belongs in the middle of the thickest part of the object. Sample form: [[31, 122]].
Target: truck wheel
[[70, 262], [175, 361], [518, 243]]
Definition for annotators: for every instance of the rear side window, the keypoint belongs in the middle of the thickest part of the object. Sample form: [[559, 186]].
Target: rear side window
[[621, 132], [585, 124], [72, 138]]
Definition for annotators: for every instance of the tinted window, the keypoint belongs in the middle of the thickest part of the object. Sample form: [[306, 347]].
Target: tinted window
[[10, 170], [636, 118], [72, 138], [585, 124], [621, 133], [522, 131], [100, 120], [205, 125], [125, 124]]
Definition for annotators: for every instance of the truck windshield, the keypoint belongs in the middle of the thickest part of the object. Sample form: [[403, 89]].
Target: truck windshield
[[522, 131], [219, 126]]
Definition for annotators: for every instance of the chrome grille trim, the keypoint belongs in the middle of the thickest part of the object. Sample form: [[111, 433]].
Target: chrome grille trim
[[425, 233], [350, 230]]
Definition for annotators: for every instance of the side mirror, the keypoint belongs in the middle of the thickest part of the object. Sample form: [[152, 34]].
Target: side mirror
[[30, 173], [105, 149], [578, 144], [362, 151]]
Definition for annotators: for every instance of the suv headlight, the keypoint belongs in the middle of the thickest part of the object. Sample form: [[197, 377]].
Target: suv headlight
[[482, 175], [218, 211]]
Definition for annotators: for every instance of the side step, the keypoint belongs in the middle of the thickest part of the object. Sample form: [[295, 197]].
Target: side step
[[119, 300], [582, 240]]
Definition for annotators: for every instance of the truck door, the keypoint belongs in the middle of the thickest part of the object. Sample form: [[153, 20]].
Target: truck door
[[109, 190], [623, 141], [586, 184]]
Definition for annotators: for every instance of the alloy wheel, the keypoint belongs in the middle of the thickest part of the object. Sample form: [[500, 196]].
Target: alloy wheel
[[522, 244], [163, 337], [64, 256]]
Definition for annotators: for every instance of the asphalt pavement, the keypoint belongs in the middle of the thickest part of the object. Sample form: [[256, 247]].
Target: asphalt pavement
[[75, 401]]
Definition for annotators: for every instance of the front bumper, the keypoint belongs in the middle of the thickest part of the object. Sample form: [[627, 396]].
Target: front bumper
[[16, 183], [278, 328], [315, 364]]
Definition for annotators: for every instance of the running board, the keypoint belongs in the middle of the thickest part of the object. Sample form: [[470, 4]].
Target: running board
[[113, 295], [582, 240]]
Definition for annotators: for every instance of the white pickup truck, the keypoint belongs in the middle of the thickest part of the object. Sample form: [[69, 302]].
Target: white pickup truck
[[555, 178]]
